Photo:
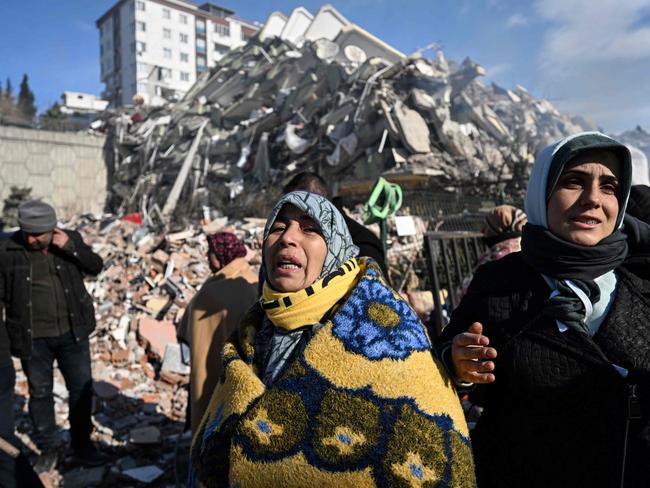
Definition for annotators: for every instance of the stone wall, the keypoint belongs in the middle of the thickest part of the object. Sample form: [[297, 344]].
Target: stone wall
[[64, 169]]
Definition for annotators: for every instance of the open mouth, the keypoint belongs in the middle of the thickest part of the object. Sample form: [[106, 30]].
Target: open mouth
[[585, 220], [288, 263]]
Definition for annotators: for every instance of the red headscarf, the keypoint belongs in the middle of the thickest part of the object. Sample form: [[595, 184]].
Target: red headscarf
[[226, 247]]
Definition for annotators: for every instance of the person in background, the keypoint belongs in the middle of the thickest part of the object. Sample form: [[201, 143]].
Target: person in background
[[213, 314], [557, 335], [502, 232], [15, 471], [329, 380], [49, 316], [368, 243]]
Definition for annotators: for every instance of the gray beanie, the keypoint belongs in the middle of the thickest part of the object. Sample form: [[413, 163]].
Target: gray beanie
[[36, 217]]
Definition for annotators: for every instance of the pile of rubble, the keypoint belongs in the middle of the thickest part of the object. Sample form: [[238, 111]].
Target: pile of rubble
[[324, 95]]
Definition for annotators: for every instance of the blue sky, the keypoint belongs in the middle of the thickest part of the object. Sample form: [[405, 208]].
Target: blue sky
[[589, 57]]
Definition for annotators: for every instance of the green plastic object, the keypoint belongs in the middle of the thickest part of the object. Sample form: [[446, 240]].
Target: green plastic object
[[385, 200]]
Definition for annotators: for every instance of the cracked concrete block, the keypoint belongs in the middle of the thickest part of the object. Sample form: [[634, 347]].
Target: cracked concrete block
[[156, 334], [414, 131]]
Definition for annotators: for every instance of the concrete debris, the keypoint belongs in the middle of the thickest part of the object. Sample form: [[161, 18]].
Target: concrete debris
[[84, 477], [319, 93], [144, 474], [145, 435]]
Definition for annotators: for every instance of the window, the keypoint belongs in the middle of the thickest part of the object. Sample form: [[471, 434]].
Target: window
[[222, 30], [200, 45], [220, 50], [139, 5], [185, 57], [165, 74], [142, 68], [200, 26], [167, 53], [184, 38], [140, 47], [185, 76], [182, 18], [200, 62], [167, 14], [167, 33], [141, 26], [245, 36]]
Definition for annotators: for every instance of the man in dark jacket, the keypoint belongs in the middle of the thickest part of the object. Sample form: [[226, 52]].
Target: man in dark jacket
[[49, 316], [367, 242]]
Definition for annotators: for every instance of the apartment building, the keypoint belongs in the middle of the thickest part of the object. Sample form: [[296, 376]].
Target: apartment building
[[158, 48]]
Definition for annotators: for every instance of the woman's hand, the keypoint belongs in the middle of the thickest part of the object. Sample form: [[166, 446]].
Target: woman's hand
[[471, 356]]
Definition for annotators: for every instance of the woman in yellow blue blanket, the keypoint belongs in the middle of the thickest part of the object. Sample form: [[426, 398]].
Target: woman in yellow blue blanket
[[330, 380]]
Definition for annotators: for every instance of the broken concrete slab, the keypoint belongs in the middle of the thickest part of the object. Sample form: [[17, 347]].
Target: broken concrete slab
[[145, 435], [105, 390], [156, 334], [144, 474], [84, 477], [413, 129], [173, 361]]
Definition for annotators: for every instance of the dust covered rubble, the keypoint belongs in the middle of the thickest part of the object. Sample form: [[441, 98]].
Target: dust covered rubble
[[296, 101]]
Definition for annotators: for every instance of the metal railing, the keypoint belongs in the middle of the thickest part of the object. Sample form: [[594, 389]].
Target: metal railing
[[451, 258]]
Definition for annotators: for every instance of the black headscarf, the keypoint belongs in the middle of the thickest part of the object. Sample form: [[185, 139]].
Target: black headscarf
[[557, 258]]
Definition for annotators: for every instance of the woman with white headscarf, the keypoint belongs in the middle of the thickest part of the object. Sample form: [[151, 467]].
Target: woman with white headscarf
[[330, 380], [558, 335]]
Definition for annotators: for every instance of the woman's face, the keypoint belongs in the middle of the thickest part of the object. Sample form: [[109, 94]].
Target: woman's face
[[294, 251], [584, 205]]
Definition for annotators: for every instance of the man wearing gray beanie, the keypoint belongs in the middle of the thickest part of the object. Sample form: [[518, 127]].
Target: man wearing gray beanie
[[49, 316]]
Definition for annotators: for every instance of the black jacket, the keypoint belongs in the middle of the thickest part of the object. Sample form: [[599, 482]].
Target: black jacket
[[367, 242], [557, 413], [15, 289]]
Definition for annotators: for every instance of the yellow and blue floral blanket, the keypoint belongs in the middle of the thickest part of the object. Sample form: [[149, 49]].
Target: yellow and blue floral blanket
[[362, 404]]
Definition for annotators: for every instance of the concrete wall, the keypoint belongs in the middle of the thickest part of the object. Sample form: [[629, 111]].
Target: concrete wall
[[64, 169]]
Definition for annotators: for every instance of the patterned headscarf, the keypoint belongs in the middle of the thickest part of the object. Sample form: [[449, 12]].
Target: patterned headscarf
[[335, 231], [226, 247]]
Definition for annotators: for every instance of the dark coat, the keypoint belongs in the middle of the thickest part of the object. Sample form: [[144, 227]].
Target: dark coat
[[15, 289], [367, 242], [639, 203], [557, 413]]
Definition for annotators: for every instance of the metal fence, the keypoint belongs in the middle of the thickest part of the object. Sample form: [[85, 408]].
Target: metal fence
[[451, 259]]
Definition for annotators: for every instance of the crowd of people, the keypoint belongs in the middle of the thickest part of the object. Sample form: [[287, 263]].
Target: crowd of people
[[316, 372]]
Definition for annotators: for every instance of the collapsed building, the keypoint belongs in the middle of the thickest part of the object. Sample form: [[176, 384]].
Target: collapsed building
[[319, 93]]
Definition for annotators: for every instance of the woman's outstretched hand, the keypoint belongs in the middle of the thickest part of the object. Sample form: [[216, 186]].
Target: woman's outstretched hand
[[471, 356]]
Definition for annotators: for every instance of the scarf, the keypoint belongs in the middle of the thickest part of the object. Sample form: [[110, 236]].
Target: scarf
[[291, 311], [560, 259], [226, 247], [571, 269]]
